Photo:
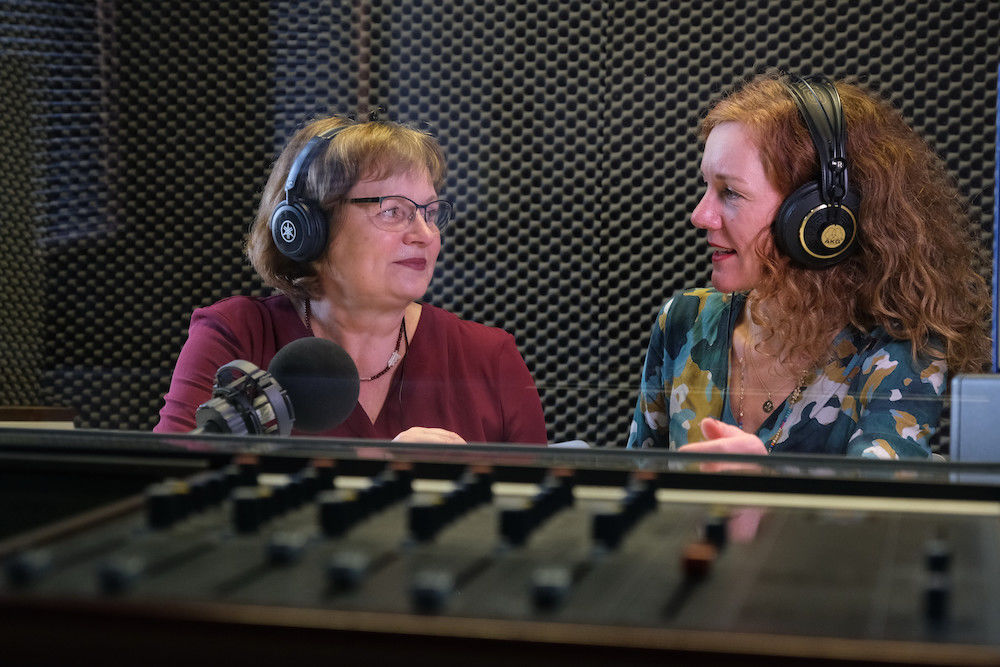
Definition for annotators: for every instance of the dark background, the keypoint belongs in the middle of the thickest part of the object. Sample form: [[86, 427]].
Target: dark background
[[135, 138]]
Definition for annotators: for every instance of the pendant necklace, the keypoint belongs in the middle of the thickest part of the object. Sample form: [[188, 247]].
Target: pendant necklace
[[393, 358], [792, 399], [768, 405]]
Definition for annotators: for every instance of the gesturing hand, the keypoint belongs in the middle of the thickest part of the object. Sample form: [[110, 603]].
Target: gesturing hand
[[725, 438]]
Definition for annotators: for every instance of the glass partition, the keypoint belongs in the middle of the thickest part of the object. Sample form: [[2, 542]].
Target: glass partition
[[134, 166]]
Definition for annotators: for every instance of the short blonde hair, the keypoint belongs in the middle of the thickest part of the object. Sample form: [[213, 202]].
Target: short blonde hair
[[360, 151]]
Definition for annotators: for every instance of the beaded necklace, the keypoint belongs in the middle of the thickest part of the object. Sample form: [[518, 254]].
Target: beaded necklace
[[393, 358]]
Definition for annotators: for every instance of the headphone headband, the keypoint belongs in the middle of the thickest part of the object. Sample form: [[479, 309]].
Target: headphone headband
[[315, 146], [821, 109], [817, 225]]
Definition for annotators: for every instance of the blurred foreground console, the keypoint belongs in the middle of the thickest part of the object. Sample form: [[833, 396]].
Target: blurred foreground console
[[222, 549]]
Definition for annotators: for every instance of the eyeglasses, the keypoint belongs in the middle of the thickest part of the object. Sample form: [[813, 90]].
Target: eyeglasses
[[396, 212]]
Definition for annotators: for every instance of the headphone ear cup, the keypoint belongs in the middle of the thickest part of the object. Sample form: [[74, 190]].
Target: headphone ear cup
[[813, 234], [299, 231]]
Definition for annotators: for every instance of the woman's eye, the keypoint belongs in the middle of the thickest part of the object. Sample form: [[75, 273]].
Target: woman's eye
[[390, 213], [730, 194]]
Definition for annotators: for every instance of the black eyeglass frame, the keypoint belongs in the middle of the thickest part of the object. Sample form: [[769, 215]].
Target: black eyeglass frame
[[416, 207]]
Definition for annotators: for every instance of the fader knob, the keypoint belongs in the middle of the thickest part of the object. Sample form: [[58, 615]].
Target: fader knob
[[294, 492], [234, 477], [168, 502], [549, 586], [479, 484], [325, 470], [399, 481], [161, 511], [716, 531], [937, 595], [427, 516], [609, 527], [431, 590], [560, 484], [640, 499], [937, 592], [338, 511], [697, 559], [243, 470], [547, 501], [286, 548], [307, 482], [282, 498], [250, 508], [517, 523], [938, 556], [375, 497], [119, 574], [458, 501], [347, 569], [27, 566], [207, 490]]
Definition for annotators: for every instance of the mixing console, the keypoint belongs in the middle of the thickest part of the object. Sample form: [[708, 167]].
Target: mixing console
[[512, 560]]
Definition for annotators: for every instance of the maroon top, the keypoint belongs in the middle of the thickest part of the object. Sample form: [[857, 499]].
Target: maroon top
[[456, 375]]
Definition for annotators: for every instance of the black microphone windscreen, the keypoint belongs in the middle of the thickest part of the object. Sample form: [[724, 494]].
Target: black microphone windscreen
[[321, 380]]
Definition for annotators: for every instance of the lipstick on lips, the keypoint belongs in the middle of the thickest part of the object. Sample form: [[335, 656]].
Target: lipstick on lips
[[720, 252], [416, 263]]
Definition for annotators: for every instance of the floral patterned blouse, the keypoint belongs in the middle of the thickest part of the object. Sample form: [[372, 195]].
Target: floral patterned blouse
[[873, 399]]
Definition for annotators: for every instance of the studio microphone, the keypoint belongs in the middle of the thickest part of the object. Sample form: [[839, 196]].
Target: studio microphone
[[312, 383], [321, 379]]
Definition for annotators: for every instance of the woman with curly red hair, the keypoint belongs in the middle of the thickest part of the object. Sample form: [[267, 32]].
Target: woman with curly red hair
[[844, 289]]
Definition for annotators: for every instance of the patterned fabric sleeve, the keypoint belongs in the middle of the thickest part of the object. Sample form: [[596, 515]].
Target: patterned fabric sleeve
[[873, 400], [649, 421], [897, 403]]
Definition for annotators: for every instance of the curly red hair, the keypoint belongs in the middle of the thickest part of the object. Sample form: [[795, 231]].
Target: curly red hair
[[914, 271]]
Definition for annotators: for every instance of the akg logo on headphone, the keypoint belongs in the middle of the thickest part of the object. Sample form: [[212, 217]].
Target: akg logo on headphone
[[833, 236], [287, 231]]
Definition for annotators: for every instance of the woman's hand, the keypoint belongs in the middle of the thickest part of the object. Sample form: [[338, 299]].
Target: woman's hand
[[429, 435], [722, 438]]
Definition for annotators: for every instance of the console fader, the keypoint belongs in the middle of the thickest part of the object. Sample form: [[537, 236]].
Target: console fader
[[539, 554]]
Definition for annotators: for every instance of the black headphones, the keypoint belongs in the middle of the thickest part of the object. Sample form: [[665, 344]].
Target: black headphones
[[298, 225], [817, 225]]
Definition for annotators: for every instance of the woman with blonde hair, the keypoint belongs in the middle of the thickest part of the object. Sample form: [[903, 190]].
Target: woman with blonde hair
[[844, 291], [348, 232]]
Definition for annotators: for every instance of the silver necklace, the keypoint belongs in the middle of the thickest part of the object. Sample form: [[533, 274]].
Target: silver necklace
[[393, 358]]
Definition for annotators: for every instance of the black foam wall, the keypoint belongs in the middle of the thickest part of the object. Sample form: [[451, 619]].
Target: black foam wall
[[140, 134]]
